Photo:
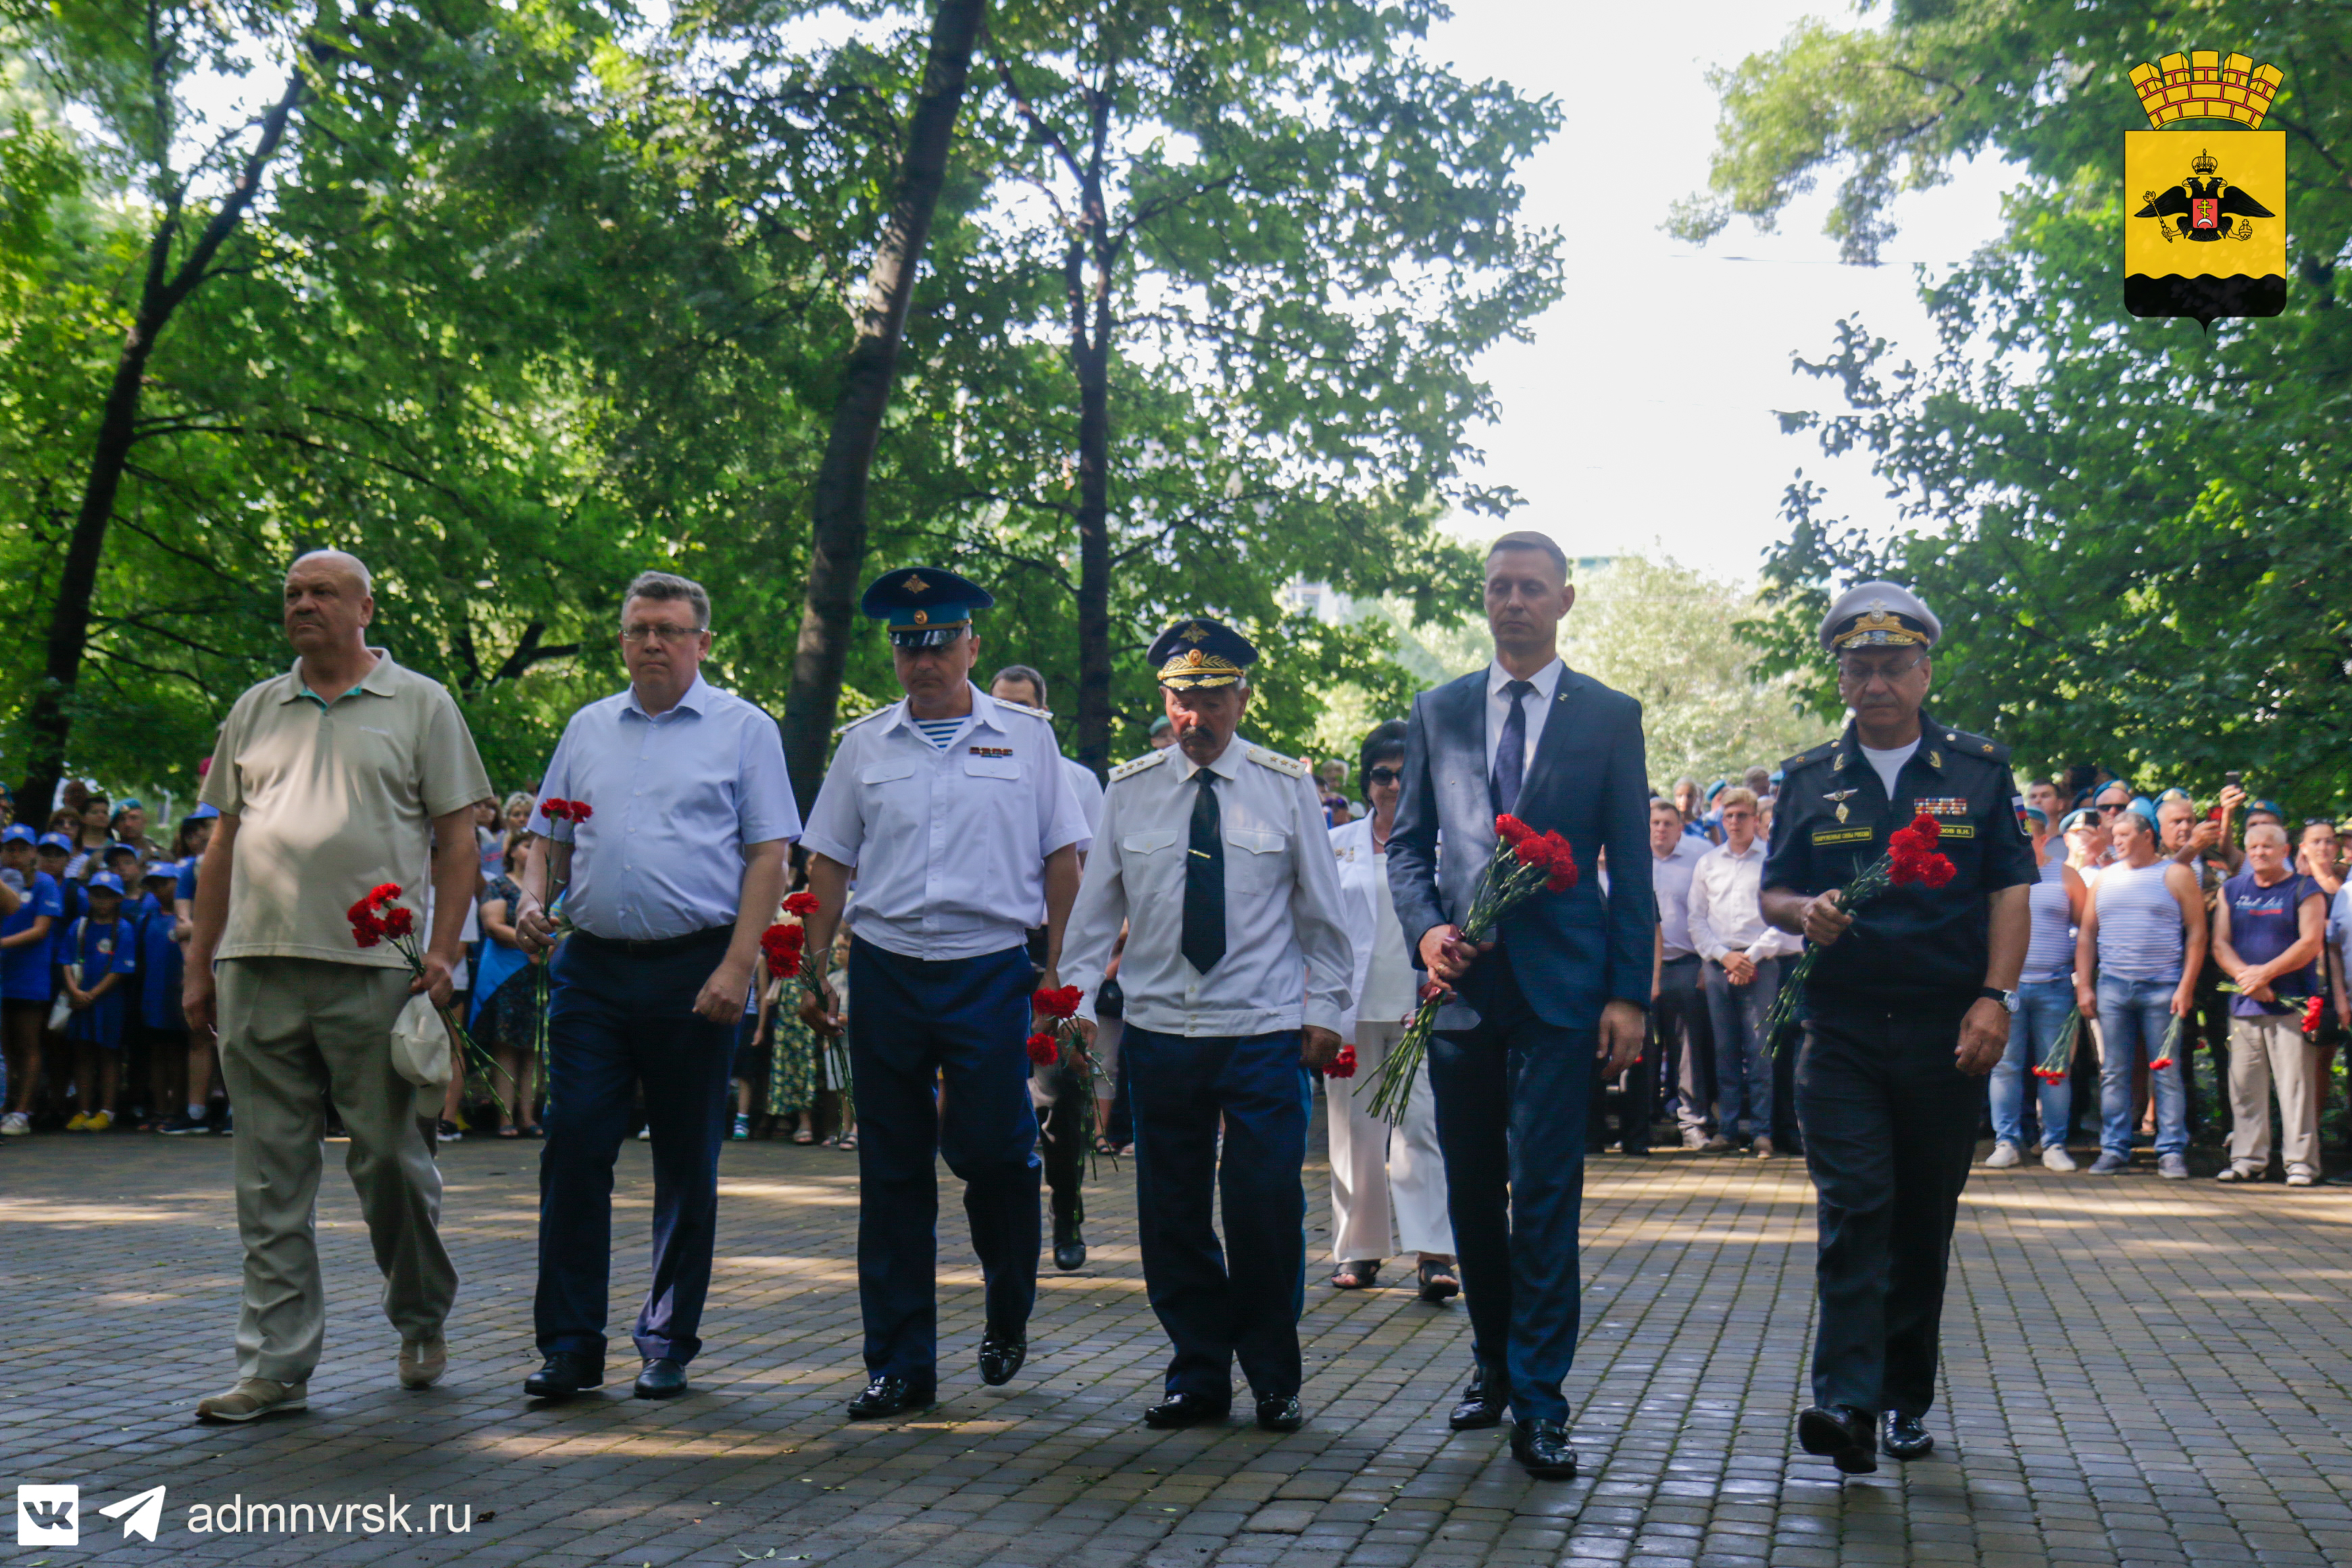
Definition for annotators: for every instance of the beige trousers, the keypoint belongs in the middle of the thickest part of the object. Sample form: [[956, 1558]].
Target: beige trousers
[[1379, 1173], [292, 1032], [2264, 1051]]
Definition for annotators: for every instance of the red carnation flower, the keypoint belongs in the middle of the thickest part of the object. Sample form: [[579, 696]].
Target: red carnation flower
[[399, 923], [1928, 828], [2310, 1011], [781, 944], [383, 893], [581, 811], [1531, 851], [1510, 830], [801, 903], [1342, 1065], [1043, 1050], [556, 809], [1562, 857], [366, 929], [1058, 1004]]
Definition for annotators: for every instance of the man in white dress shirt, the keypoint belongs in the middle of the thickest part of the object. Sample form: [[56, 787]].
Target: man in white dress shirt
[[1213, 853], [1678, 1014], [955, 814], [1743, 958], [667, 885]]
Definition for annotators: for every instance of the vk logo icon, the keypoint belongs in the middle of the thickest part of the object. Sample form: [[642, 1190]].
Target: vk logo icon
[[48, 1516]]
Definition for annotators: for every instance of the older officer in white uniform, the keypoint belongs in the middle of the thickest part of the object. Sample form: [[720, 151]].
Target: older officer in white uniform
[[955, 814], [1237, 972]]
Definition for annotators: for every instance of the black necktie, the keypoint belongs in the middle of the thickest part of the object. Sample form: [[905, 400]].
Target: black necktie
[[1204, 881], [1511, 756]]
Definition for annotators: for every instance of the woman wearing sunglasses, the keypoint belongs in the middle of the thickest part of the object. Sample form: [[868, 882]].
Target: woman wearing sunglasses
[[1374, 1176]]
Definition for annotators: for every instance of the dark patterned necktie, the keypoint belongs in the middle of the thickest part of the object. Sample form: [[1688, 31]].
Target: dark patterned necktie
[[1511, 755], [1204, 881]]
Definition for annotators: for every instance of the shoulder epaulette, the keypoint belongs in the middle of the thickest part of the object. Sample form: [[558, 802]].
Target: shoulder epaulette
[[1134, 765], [1277, 761], [864, 717], [1818, 754], [1963, 744], [1045, 714]]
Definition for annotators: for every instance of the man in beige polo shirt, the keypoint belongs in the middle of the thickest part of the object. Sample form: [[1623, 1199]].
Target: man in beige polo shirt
[[343, 773]]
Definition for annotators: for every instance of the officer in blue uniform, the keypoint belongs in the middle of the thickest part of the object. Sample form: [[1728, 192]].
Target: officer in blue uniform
[[1213, 855], [954, 813], [1906, 1010]]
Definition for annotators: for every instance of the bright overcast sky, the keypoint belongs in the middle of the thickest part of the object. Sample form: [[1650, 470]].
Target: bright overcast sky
[[1643, 408]]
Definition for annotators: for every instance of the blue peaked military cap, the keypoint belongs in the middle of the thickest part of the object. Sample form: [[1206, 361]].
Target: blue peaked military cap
[[922, 606], [1200, 651]]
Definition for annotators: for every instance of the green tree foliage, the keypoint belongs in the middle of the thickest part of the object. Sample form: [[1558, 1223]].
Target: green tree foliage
[[539, 294], [2133, 530]]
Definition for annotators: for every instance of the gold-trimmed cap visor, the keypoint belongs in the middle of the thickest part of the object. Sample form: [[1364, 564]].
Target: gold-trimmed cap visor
[[1193, 668]]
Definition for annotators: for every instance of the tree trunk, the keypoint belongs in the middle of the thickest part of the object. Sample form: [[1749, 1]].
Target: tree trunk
[[838, 537], [1090, 328], [162, 290]]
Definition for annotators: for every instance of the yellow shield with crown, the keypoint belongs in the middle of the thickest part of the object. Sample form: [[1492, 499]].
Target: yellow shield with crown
[[2205, 191]]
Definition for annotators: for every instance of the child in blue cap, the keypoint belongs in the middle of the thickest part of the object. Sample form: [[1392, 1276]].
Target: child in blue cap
[[105, 953]]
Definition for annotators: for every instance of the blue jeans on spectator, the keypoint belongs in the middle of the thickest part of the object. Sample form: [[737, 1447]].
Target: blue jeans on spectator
[[1743, 1069], [2042, 1008], [2134, 1017]]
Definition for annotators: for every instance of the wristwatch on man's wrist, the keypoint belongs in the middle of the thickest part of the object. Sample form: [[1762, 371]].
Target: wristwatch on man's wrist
[[1995, 994]]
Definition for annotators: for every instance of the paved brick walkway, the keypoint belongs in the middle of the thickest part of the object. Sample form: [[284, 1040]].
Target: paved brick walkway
[[2167, 1383]]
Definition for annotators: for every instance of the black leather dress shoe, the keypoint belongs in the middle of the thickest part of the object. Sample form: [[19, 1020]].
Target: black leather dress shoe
[[1001, 1356], [1842, 1435], [661, 1379], [1069, 1243], [889, 1394], [564, 1375], [1482, 1403], [1541, 1447], [1904, 1437], [1280, 1413], [1188, 1410]]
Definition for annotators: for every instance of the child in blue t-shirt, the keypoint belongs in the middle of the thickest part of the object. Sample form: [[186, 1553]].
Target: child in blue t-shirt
[[162, 961], [26, 980], [105, 955]]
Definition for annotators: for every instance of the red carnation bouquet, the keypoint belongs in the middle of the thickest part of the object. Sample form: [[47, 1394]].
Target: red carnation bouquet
[[2059, 1064], [785, 948], [1911, 860], [1342, 1065], [1524, 862], [1057, 1042], [377, 919]]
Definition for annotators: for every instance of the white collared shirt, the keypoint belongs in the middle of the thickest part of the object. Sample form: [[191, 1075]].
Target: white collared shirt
[[1670, 877], [1089, 792], [1727, 905], [949, 846], [1533, 708], [673, 799], [1287, 960]]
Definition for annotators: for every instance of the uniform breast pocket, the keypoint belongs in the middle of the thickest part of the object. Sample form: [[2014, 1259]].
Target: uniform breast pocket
[[1256, 859], [991, 768], [1153, 861]]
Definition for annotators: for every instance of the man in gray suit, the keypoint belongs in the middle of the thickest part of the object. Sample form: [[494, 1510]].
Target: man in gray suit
[[1567, 977]]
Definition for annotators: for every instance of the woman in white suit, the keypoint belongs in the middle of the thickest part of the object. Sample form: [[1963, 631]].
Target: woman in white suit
[[1379, 1174]]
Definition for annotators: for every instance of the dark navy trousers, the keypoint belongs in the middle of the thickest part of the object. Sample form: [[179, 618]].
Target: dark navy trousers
[[618, 1018], [1511, 1104], [1240, 1301], [941, 1071], [1890, 1127]]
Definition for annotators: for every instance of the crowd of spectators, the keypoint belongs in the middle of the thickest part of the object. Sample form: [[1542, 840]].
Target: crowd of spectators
[[2195, 953]]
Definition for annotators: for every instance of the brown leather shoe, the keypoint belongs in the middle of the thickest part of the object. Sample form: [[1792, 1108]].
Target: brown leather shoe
[[253, 1397]]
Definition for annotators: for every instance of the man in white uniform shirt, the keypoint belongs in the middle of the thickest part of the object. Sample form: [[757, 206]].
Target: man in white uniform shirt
[[955, 814], [1743, 958], [1678, 1015], [1236, 971]]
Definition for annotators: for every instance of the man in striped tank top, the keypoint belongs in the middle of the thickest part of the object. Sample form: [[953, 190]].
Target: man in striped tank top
[[1906, 1010], [2136, 958]]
